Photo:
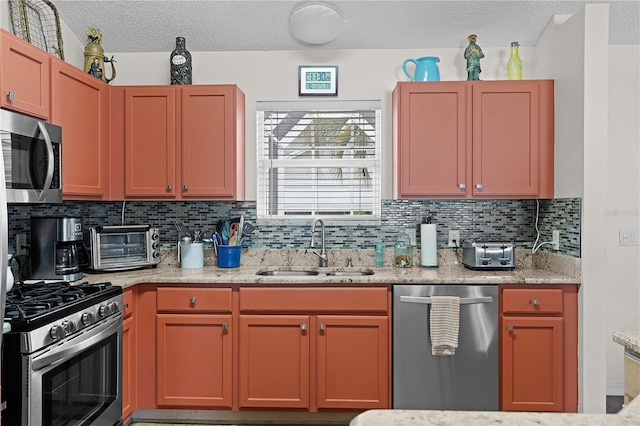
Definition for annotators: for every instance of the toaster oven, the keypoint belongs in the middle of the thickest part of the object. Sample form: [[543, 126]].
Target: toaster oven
[[488, 255], [120, 248]]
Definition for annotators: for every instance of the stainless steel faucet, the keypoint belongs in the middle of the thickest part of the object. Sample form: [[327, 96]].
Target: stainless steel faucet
[[324, 259]]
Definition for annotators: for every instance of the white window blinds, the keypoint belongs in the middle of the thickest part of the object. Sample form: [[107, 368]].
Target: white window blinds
[[318, 158]]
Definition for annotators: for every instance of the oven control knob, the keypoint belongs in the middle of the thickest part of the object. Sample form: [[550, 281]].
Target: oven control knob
[[155, 236], [104, 311], [156, 254], [57, 332], [155, 246], [88, 318], [113, 306], [69, 327]]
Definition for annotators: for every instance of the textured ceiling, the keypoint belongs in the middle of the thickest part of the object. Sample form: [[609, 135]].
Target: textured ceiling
[[245, 25]]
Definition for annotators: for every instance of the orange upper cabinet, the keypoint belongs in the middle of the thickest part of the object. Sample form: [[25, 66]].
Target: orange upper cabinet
[[183, 142], [80, 104], [25, 77], [485, 139]]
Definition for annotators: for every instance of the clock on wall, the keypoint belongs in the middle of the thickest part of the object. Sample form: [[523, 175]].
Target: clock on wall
[[317, 80]]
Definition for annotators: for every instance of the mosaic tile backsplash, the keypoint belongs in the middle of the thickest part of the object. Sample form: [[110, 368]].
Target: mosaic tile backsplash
[[508, 220]]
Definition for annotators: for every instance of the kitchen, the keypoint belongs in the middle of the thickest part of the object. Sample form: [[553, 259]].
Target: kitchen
[[598, 229]]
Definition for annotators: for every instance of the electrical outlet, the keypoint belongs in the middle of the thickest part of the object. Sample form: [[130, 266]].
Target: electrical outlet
[[628, 237], [556, 240], [21, 244], [454, 238]]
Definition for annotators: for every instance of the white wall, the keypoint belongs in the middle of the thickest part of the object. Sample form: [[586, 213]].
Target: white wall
[[623, 275]]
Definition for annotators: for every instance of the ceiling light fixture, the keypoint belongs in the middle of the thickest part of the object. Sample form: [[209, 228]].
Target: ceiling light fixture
[[316, 24]]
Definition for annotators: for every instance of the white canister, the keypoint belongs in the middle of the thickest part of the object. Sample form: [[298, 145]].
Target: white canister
[[9, 275], [191, 255]]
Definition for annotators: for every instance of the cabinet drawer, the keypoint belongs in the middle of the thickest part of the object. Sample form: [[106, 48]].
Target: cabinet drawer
[[193, 300], [631, 374], [534, 301], [127, 303], [314, 299]]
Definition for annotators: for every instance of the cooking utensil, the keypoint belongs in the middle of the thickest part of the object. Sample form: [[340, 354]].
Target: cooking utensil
[[233, 237], [248, 228], [240, 226]]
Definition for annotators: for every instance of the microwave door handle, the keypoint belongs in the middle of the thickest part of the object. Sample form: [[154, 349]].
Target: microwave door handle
[[49, 178]]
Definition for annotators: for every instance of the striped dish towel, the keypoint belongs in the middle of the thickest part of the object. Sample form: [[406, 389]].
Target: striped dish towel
[[444, 324]]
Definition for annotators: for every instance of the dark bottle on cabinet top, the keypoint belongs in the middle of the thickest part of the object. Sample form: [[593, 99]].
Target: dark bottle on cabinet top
[[181, 69]]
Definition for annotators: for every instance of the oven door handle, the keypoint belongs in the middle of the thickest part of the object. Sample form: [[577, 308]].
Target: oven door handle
[[50, 164], [97, 334]]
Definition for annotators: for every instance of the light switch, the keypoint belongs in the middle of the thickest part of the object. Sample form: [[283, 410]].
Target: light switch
[[628, 237]]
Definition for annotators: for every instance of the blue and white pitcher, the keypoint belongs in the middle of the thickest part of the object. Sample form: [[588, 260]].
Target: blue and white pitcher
[[426, 69]]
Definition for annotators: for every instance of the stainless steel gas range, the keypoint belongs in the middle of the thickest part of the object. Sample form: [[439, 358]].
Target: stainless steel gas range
[[62, 359]]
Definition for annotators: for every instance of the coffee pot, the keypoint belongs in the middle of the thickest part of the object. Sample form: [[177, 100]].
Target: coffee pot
[[56, 243], [426, 68]]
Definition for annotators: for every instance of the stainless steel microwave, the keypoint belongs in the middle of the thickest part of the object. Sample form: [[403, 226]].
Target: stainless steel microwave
[[120, 248], [32, 155]]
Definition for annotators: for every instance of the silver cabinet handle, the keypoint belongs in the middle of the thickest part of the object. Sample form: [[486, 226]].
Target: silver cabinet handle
[[185, 187], [534, 301], [321, 327], [225, 326], [11, 95], [303, 327], [168, 187], [126, 305], [463, 301], [192, 300], [49, 178], [478, 186], [462, 185], [509, 328]]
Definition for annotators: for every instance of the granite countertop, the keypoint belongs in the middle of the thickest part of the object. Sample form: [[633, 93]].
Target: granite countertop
[[547, 269], [629, 339], [629, 415]]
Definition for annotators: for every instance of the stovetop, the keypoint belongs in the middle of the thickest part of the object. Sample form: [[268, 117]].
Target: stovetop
[[29, 306]]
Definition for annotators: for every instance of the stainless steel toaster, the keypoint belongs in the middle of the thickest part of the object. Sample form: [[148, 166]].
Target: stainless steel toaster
[[488, 255]]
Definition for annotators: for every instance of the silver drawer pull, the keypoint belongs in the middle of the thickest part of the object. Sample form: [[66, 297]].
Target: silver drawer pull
[[462, 185], [303, 327], [185, 187], [478, 186], [11, 95], [225, 326], [192, 300], [168, 187], [534, 301], [126, 305], [321, 327], [509, 328], [463, 301]]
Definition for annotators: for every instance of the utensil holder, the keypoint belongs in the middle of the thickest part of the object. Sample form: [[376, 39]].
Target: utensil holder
[[192, 255], [229, 256]]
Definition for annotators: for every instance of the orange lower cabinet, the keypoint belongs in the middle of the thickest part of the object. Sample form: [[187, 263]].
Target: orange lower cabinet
[[532, 363], [194, 360], [352, 362], [274, 361]]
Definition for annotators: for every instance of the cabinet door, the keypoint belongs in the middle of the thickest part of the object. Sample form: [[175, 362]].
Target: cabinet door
[[210, 162], [274, 361], [532, 358], [80, 104], [353, 362], [150, 142], [506, 138], [430, 139], [25, 78], [128, 367], [194, 360]]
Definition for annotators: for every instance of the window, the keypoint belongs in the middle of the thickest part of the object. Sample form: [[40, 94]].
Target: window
[[318, 159]]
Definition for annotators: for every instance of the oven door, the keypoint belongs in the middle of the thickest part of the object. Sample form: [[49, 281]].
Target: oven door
[[79, 381]]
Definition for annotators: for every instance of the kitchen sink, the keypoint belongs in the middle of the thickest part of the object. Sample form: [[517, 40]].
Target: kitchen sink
[[355, 272], [286, 273]]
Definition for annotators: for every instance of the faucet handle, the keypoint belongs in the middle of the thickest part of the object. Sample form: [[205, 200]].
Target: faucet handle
[[349, 262]]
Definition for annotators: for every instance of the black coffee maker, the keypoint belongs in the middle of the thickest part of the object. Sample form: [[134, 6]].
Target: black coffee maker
[[56, 248]]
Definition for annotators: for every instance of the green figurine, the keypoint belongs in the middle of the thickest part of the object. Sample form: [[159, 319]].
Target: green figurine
[[473, 54]]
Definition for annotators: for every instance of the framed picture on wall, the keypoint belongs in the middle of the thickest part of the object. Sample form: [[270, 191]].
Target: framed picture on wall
[[318, 80]]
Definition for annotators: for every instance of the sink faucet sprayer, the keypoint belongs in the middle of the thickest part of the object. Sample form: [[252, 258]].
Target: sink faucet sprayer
[[324, 259]]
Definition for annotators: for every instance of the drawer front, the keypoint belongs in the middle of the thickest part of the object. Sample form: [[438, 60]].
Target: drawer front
[[127, 303], [193, 300], [314, 299], [531, 301], [631, 374]]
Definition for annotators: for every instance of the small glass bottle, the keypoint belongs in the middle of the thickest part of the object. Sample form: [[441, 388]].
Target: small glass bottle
[[379, 254], [514, 64], [403, 252], [181, 63]]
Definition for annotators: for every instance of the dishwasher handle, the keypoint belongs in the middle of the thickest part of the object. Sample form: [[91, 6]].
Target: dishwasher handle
[[463, 301]]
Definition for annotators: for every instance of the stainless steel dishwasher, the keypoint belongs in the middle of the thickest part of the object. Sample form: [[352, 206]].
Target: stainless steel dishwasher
[[467, 380]]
